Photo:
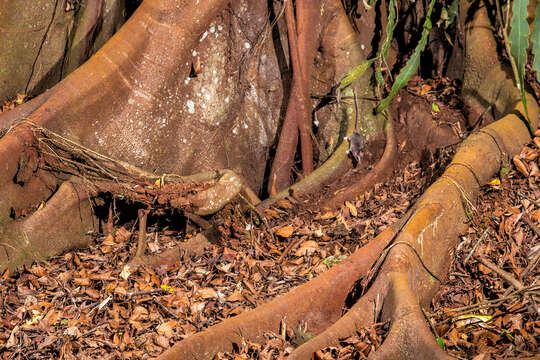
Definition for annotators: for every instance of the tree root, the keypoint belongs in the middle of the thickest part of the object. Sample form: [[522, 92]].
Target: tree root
[[328, 172], [404, 282], [317, 302], [46, 160]]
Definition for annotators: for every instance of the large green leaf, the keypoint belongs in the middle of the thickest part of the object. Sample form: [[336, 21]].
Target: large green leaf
[[536, 42], [388, 40], [519, 36], [519, 42], [355, 73], [412, 64]]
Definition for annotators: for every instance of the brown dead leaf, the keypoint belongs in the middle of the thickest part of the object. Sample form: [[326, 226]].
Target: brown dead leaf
[[483, 269], [236, 296], [161, 341], [535, 216], [207, 293], [425, 89], [520, 166], [284, 204], [167, 328], [82, 281], [285, 231], [328, 215], [272, 213], [307, 248], [122, 235]]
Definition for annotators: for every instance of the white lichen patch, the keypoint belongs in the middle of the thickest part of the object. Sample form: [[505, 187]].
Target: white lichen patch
[[191, 106]]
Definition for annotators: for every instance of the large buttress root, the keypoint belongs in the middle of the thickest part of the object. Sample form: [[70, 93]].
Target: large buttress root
[[417, 256], [317, 302]]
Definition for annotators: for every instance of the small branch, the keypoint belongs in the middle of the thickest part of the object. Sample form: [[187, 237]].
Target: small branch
[[484, 234], [534, 228], [141, 243], [164, 308], [147, 292], [505, 275], [489, 303]]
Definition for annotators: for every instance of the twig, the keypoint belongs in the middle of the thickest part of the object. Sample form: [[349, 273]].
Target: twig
[[93, 330], [164, 308], [504, 274], [489, 303], [534, 228], [100, 306], [141, 243], [484, 234], [532, 264], [147, 292], [288, 249]]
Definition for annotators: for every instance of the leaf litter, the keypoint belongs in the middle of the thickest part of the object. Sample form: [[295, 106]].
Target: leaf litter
[[92, 303]]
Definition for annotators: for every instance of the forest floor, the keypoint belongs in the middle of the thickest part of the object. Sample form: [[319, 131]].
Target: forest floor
[[93, 303]]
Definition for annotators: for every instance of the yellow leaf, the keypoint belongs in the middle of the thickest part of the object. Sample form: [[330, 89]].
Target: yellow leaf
[[159, 182], [168, 288], [352, 208], [495, 182]]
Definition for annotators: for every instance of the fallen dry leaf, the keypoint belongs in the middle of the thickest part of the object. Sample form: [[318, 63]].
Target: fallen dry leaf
[[285, 231]]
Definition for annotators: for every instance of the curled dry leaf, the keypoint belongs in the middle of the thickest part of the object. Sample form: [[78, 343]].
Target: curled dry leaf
[[520, 166], [352, 208]]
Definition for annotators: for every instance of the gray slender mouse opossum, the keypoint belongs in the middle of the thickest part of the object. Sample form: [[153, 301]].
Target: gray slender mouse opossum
[[356, 141]]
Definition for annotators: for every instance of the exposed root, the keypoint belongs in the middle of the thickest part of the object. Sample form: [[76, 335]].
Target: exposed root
[[409, 336], [332, 168], [64, 222], [318, 303], [405, 276], [89, 174]]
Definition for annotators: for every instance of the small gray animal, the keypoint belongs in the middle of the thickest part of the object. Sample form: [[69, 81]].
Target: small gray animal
[[356, 141]]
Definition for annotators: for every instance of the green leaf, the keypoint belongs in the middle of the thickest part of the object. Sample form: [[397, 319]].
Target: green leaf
[[440, 341], [452, 13], [536, 42], [519, 42], [355, 73], [389, 30], [412, 64], [435, 107], [390, 26]]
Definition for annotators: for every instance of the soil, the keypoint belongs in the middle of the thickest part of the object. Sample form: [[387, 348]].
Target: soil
[[95, 303]]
